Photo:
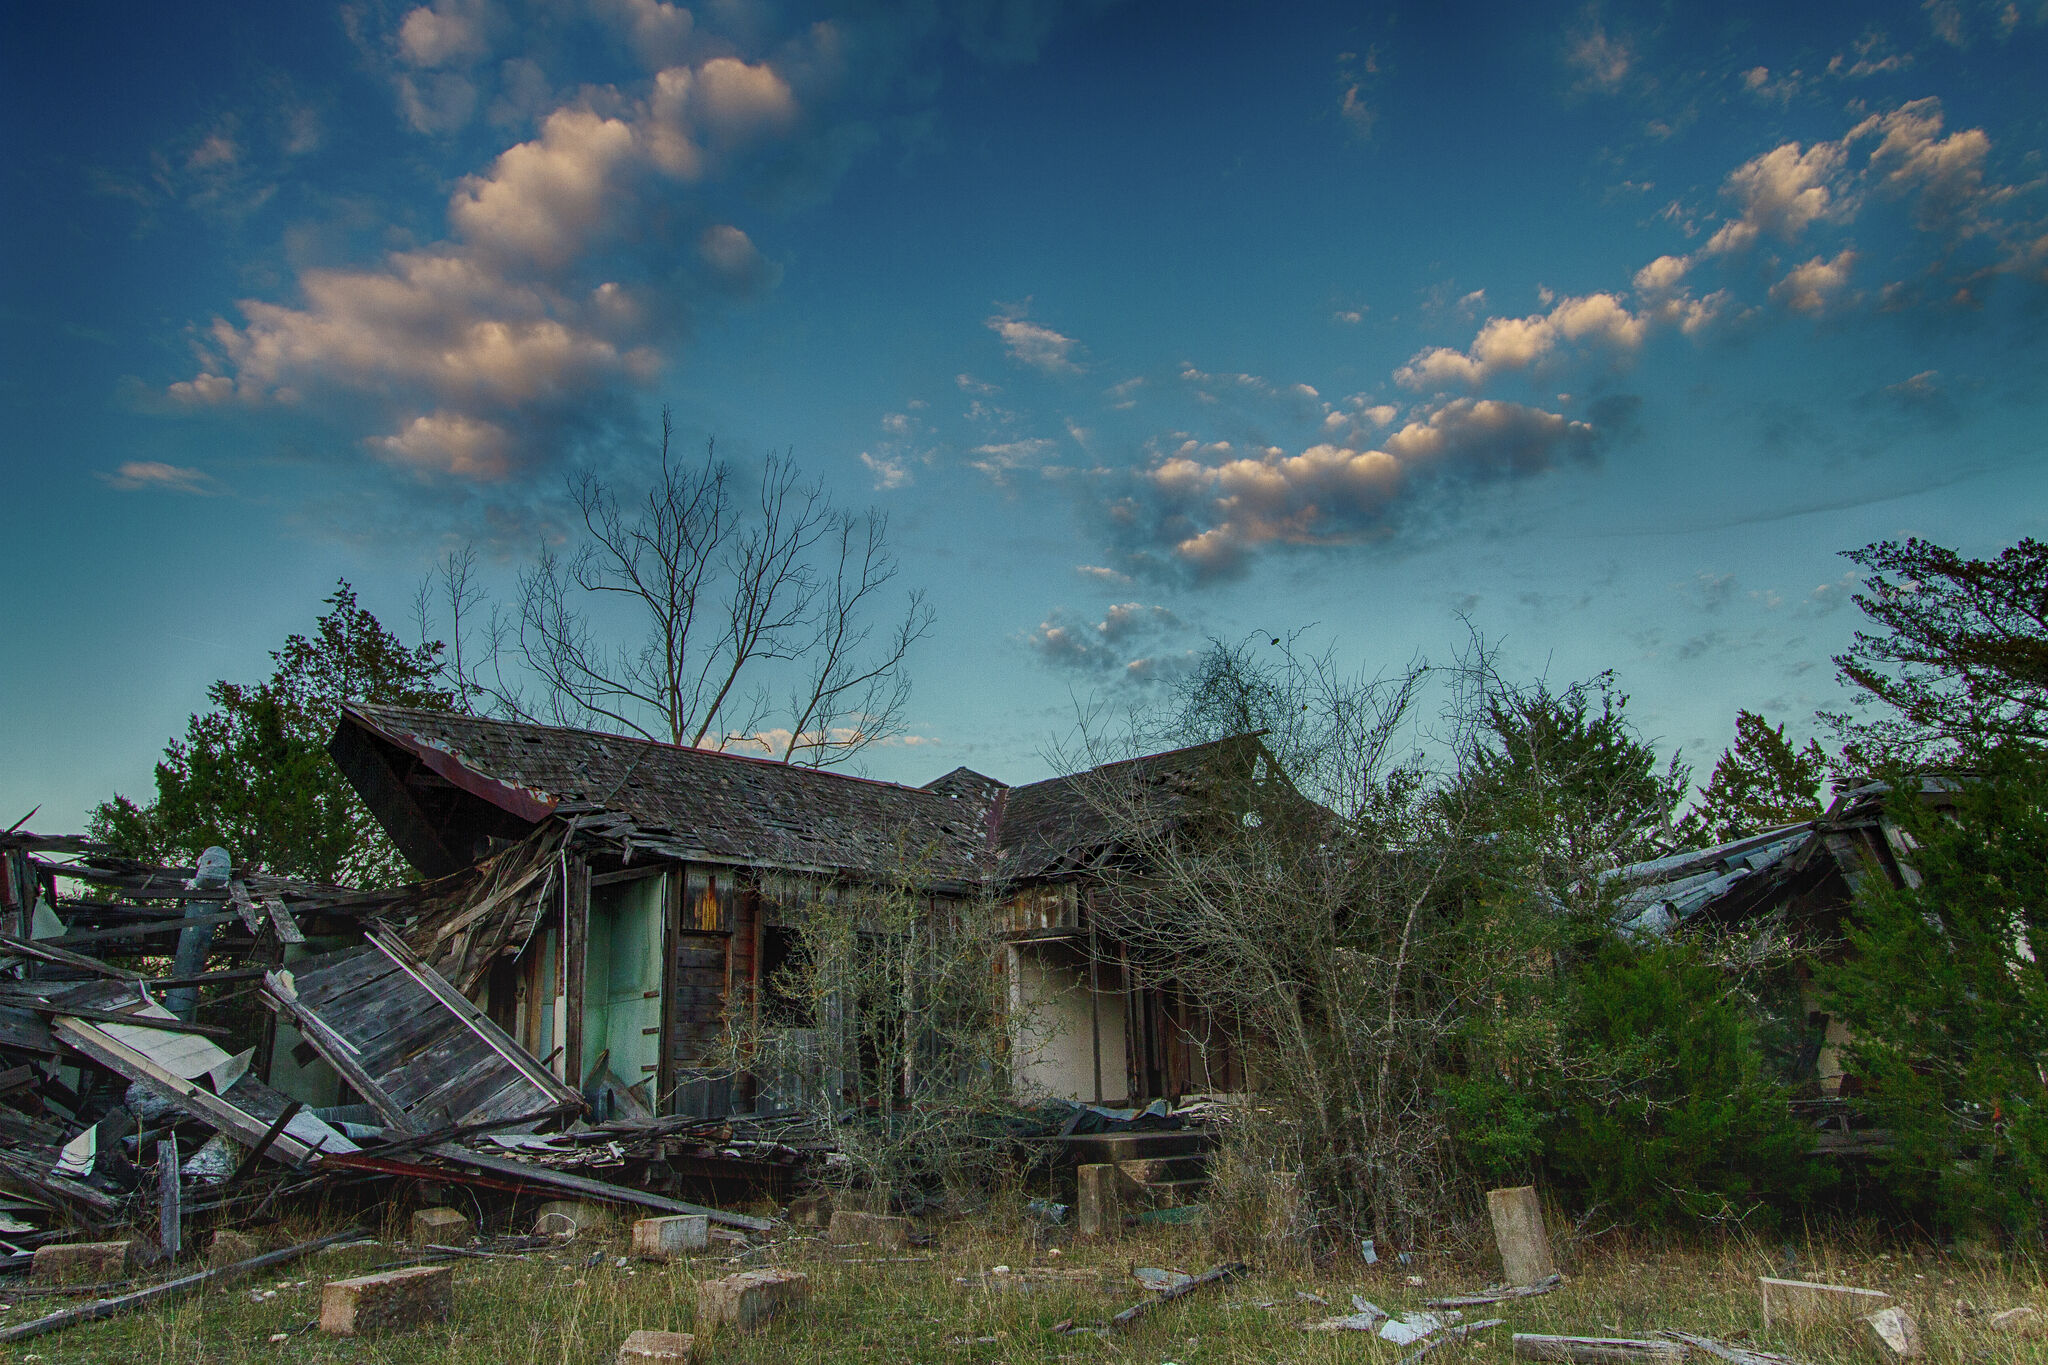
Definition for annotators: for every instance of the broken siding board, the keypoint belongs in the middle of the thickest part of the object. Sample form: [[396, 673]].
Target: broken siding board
[[348, 970], [219, 1111], [335, 1049], [465, 1009]]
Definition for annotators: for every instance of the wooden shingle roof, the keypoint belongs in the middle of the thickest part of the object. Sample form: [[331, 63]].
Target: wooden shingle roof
[[962, 828]]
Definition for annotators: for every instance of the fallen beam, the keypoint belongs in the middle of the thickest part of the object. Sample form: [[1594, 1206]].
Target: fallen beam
[[1221, 1274], [58, 957], [99, 1016], [107, 1308], [1734, 1355], [1480, 1300], [1596, 1350], [595, 1189]]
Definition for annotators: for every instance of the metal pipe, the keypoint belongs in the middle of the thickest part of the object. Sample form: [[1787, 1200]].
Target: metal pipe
[[193, 941]]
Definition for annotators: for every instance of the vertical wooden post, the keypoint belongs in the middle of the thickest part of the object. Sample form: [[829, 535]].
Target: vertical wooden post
[[575, 935], [1095, 1005], [1518, 1229], [1098, 1215], [170, 1207], [673, 900]]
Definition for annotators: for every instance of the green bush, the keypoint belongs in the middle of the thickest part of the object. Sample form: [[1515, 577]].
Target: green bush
[[1674, 1116]]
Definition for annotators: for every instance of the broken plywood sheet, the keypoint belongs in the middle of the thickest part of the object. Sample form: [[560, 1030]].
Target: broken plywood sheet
[[411, 1045], [190, 1071]]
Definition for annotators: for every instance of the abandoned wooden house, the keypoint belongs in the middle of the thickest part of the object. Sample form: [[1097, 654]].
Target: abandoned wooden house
[[614, 898], [1800, 880]]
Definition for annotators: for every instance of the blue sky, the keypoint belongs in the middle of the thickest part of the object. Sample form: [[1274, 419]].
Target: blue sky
[[1602, 329]]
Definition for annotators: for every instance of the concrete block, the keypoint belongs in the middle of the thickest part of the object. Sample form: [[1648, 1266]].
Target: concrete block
[[1099, 1214], [443, 1227], [570, 1218], [750, 1298], [394, 1301], [648, 1348], [1804, 1303], [1518, 1232], [82, 1262], [875, 1229], [1896, 1332], [664, 1239], [811, 1211]]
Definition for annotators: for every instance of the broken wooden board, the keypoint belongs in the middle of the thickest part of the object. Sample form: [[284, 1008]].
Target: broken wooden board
[[191, 1072], [417, 1051]]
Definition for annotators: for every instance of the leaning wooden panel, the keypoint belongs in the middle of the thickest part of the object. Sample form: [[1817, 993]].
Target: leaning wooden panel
[[409, 1043]]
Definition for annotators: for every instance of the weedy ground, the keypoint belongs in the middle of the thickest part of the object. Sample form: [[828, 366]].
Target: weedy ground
[[558, 1308]]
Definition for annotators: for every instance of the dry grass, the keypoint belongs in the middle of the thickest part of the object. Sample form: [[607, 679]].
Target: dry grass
[[554, 1308]]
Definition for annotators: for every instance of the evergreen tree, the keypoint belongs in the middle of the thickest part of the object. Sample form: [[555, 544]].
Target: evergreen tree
[[1673, 1115], [1567, 773], [1759, 783], [253, 775], [1945, 995], [1959, 661]]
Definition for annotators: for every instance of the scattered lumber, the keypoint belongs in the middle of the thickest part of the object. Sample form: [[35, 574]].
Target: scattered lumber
[[1221, 1274], [1450, 1335], [1484, 1297], [107, 1308], [596, 1189], [1596, 1350], [1734, 1355]]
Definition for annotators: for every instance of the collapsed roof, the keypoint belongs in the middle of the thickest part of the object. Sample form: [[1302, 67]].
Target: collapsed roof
[[1813, 865], [447, 785]]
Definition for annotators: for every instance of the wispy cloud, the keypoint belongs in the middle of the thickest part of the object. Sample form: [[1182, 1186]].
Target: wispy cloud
[[1034, 344], [140, 475]]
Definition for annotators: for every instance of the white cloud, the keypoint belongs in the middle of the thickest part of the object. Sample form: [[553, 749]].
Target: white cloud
[[1602, 61], [1036, 345], [137, 475], [546, 201], [1814, 286], [1107, 645], [1662, 276], [734, 260], [448, 443], [1510, 344], [889, 473], [447, 33], [1780, 193], [1212, 505], [659, 32], [1000, 459]]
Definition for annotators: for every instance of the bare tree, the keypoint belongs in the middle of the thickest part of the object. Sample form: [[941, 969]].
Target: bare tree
[[1373, 908], [704, 617]]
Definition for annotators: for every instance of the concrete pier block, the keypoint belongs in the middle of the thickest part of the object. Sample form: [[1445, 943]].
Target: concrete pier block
[[394, 1301], [750, 1298], [664, 1239]]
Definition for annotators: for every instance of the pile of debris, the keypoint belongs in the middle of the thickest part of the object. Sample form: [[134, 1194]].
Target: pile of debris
[[126, 1117]]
